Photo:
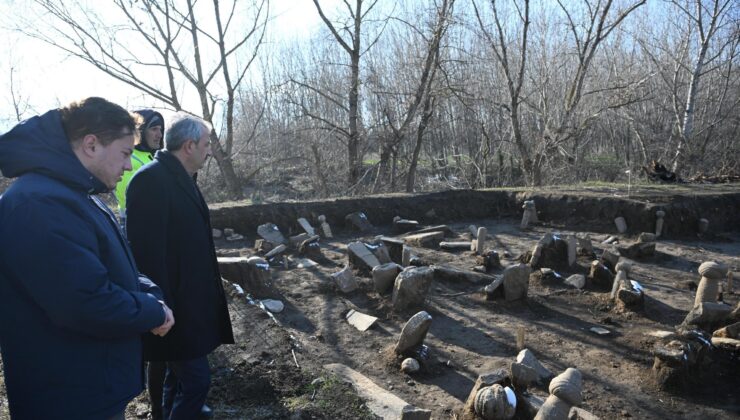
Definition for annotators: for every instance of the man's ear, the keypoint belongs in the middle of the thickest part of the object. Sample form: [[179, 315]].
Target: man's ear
[[89, 144], [190, 146]]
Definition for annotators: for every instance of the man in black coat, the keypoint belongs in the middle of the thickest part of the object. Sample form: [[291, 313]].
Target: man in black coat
[[169, 228]]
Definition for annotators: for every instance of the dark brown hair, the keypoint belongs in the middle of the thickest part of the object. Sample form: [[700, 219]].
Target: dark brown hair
[[100, 117]]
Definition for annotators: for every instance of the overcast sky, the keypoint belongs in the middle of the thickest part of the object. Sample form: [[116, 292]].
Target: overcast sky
[[46, 78]]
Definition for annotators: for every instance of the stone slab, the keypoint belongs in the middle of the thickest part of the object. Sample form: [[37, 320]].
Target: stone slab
[[271, 233], [382, 403], [306, 226], [426, 240], [359, 320]]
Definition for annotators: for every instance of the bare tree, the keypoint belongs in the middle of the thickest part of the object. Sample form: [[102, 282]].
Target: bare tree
[[353, 47], [697, 16], [175, 46], [513, 69]]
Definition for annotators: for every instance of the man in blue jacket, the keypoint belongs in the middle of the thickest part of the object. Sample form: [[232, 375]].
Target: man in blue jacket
[[169, 228], [72, 304]]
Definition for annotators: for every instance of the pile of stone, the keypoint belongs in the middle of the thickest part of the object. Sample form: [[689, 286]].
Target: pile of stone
[[505, 394], [678, 357]]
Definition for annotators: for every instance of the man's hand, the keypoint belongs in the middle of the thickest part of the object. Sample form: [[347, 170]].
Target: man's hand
[[169, 321]]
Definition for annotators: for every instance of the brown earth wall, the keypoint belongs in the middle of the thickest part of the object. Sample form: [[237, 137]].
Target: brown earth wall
[[568, 210]]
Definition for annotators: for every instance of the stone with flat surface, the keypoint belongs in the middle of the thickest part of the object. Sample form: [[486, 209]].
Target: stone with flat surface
[[413, 332], [411, 287], [271, 233], [306, 226], [361, 257], [381, 402], [426, 240], [345, 280], [516, 281], [359, 320], [359, 221]]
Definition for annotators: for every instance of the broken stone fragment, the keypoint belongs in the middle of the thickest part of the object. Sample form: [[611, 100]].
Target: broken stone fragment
[[631, 299], [345, 280], [380, 251], [411, 287], [216, 233], [522, 376], [610, 240], [413, 333], [296, 240], [228, 232], [235, 237], [493, 289], [637, 250], [311, 248], [394, 246], [276, 251], [403, 225], [262, 246], [572, 244], [707, 313], [306, 226], [585, 247], [384, 275], [410, 365], [610, 258], [646, 237], [359, 320], [406, 256], [725, 343], [380, 402], [730, 331], [456, 275], [450, 246], [576, 280], [516, 281], [252, 273], [361, 257], [425, 240], [527, 358], [489, 259], [271, 233], [601, 277], [359, 221], [552, 250], [473, 230]]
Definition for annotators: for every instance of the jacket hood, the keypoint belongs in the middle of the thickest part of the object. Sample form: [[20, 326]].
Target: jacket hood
[[149, 115], [39, 145]]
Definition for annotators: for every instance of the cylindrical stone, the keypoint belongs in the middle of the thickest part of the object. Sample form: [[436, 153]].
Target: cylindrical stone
[[711, 274]]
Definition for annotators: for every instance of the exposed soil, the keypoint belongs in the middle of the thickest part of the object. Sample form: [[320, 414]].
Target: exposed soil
[[258, 377]]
